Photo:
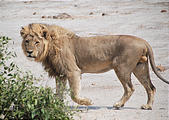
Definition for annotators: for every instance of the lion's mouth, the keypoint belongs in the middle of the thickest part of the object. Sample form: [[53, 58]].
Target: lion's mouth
[[30, 56]]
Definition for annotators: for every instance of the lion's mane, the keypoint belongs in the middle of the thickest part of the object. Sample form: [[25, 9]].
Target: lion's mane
[[54, 57]]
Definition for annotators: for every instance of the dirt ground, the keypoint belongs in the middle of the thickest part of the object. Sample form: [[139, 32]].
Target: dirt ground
[[148, 19]]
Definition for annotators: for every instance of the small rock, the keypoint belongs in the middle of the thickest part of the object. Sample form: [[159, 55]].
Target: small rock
[[103, 14], [93, 84], [160, 68], [55, 17], [27, 1], [116, 11], [75, 5], [91, 13], [49, 16], [62, 16], [163, 11], [43, 16], [34, 13]]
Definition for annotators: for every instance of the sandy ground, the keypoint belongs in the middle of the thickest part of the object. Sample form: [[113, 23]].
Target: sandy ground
[[146, 19]]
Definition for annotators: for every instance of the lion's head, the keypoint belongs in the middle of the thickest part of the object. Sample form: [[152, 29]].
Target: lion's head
[[35, 41], [37, 38]]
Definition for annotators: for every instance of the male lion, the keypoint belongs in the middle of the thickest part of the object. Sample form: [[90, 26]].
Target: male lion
[[66, 55]]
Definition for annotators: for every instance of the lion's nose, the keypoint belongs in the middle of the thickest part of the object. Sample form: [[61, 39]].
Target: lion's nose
[[30, 51]]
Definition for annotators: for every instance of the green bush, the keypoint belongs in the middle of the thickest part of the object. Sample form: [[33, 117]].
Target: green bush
[[20, 99]]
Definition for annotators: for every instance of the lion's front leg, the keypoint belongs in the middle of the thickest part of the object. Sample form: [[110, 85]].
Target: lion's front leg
[[75, 86], [60, 87]]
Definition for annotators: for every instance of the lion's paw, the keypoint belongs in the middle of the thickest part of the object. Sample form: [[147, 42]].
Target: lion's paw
[[85, 101], [118, 105], [146, 107]]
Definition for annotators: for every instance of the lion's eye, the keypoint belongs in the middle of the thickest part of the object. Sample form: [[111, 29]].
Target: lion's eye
[[27, 41], [37, 42]]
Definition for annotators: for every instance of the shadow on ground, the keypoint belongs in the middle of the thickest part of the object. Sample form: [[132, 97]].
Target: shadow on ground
[[101, 107]]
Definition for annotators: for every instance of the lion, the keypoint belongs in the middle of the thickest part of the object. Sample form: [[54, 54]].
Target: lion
[[67, 55]]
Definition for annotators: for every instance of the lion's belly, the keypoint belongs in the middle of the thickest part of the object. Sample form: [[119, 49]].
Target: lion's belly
[[97, 67]]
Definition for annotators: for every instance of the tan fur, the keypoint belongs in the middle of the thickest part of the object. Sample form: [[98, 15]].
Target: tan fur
[[66, 55]]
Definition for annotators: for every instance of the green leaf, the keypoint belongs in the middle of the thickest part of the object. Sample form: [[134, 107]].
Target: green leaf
[[29, 106], [36, 101], [33, 114], [42, 110]]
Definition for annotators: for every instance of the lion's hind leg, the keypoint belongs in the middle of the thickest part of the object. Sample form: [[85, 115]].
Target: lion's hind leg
[[142, 73], [125, 79]]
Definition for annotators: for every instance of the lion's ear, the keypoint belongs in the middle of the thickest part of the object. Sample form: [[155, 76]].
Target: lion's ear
[[23, 31], [45, 32]]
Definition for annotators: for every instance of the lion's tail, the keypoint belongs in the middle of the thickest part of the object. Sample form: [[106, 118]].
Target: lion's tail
[[151, 58]]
